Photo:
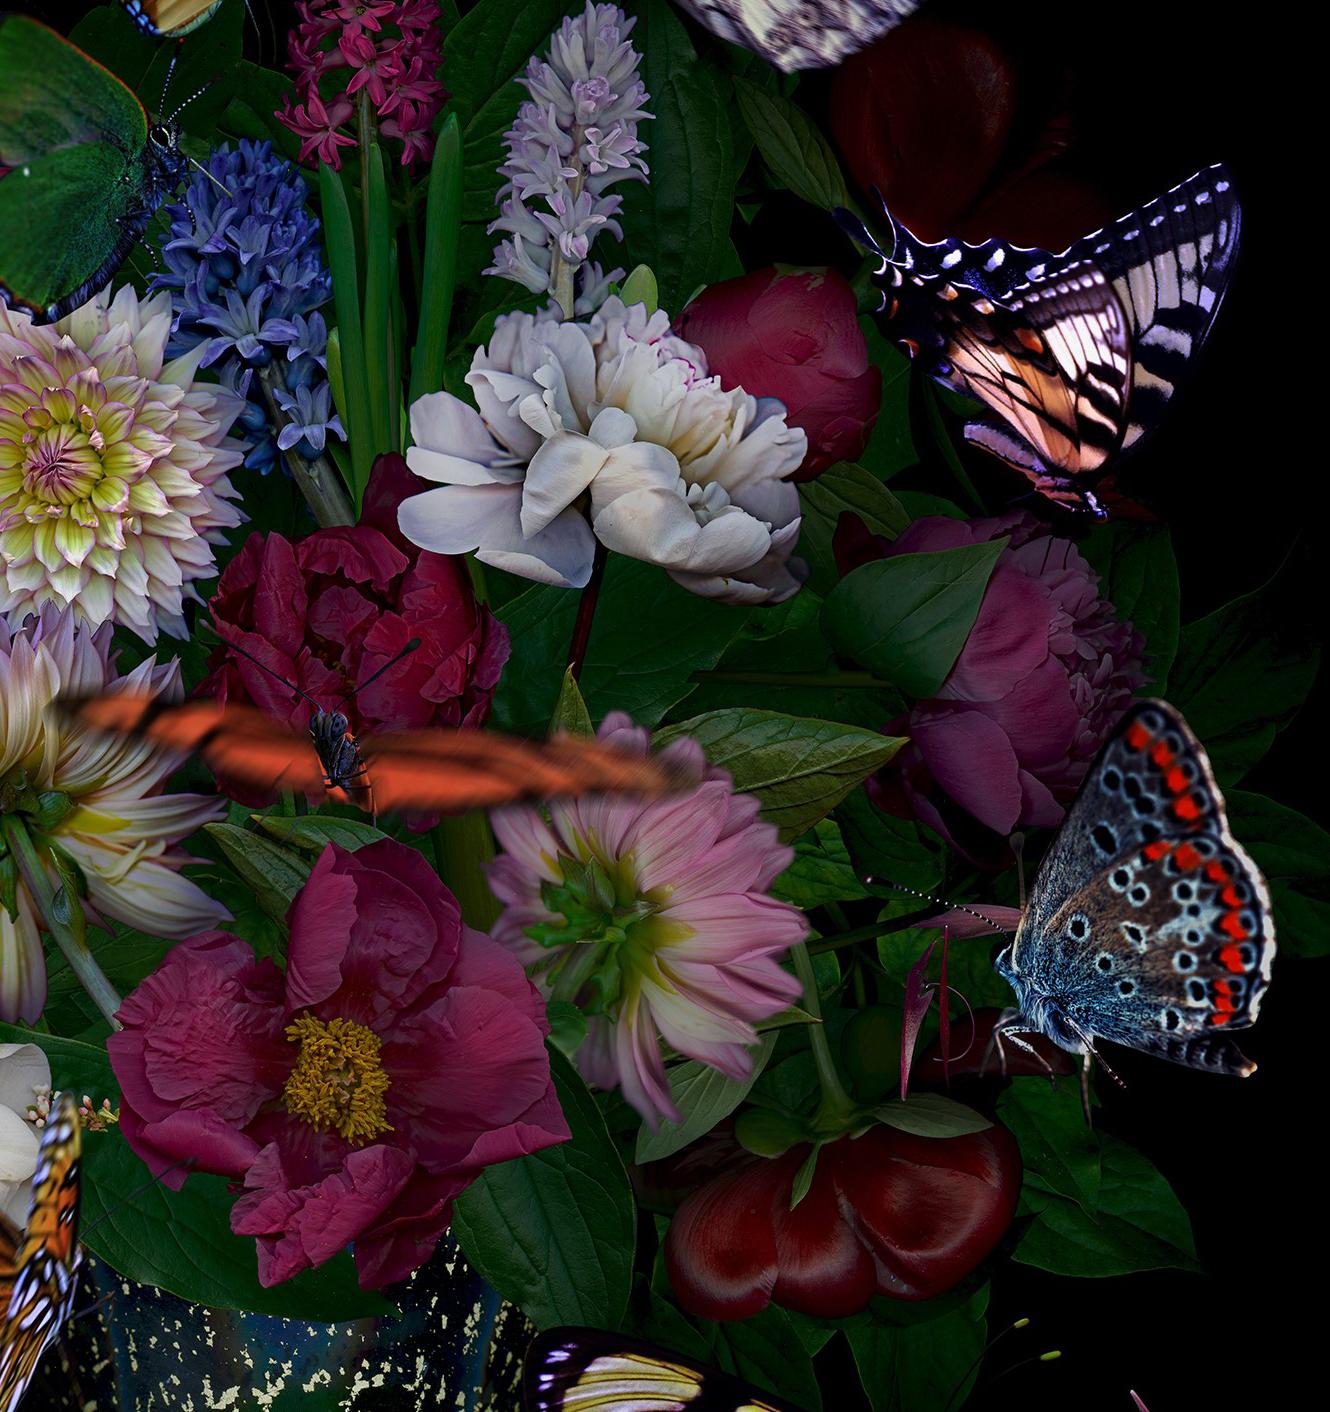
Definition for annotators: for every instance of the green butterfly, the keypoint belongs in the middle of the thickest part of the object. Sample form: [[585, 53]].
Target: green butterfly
[[82, 170]]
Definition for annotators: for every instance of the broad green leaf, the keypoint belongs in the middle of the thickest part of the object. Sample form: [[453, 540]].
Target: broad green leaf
[[654, 1319], [843, 489], [766, 1351], [907, 618], [567, 1026], [890, 448], [932, 1115], [1060, 1152], [703, 1096], [570, 712], [274, 873], [799, 768], [1137, 1223], [313, 832], [679, 221], [1139, 576], [1243, 671], [969, 959], [889, 849], [555, 1232], [910, 1366], [798, 157], [1294, 854], [821, 872], [180, 1241]]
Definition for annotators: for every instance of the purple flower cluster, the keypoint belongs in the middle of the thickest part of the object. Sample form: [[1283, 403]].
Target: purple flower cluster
[[391, 49], [574, 138], [246, 273]]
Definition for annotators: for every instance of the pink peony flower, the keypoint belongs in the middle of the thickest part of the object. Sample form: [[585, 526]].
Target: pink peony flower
[[359, 1093], [652, 917], [1046, 670]]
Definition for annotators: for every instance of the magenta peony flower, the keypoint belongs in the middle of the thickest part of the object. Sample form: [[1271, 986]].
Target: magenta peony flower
[[1046, 670], [389, 49], [359, 1093], [793, 335], [652, 917]]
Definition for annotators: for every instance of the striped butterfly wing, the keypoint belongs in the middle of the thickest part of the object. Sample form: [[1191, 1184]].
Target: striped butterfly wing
[[46, 1256], [587, 1370]]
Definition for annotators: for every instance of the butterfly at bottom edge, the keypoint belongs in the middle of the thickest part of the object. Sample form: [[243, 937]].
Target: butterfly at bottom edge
[[588, 1370], [1077, 354], [1148, 924], [423, 770], [39, 1267]]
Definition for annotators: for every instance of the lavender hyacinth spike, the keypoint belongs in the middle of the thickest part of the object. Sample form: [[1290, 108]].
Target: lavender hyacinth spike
[[574, 138]]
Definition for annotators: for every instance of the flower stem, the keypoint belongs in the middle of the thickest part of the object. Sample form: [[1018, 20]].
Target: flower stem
[[871, 930], [836, 1103], [76, 951], [318, 480], [586, 612], [463, 844]]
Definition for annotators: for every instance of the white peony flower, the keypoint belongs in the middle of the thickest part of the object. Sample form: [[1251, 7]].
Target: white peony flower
[[23, 1071], [615, 418]]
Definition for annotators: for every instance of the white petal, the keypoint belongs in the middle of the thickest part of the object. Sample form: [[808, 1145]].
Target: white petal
[[454, 470], [23, 1068], [560, 554], [442, 422], [458, 518], [641, 466], [658, 526], [18, 1147], [613, 427], [559, 472]]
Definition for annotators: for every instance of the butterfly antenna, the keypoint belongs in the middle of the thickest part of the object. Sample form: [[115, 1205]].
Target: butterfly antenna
[[198, 93], [170, 70], [391, 662], [230, 646], [940, 901]]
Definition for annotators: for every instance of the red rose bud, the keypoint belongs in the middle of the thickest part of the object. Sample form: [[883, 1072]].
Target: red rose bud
[[887, 1213], [793, 335]]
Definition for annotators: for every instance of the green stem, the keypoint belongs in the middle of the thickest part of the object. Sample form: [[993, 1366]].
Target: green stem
[[858, 681], [76, 951], [463, 844], [318, 481], [443, 225], [870, 931], [836, 1103]]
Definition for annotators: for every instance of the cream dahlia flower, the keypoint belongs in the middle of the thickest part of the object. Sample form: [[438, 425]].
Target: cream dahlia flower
[[609, 429], [113, 485], [92, 798]]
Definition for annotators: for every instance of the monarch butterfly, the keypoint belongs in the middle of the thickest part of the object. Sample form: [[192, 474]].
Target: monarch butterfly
[[38, 1268], [1077, 353], [586, 1370], [423, 770]]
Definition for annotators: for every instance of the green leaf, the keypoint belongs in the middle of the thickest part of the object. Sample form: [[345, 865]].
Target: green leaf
[[799, 768], [640, 288], [924, 1363], [969, 960], [443, 224], [907, 618], [704, 1096], [890, 448], [555, 1232], [570, 712], [314, 832], [766, 1350], [340, 241], [821, 872], [1139, 576], [931, 1115], [679, 221], [274, 873], [567, 1026], [798, 157], [889, 849], [180, 1241], [1294, 854], [1137, 1223], [1243, 671], [843, 489], [648, 638], [1059, 1150]]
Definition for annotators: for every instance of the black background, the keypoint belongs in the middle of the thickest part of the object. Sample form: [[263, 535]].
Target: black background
[[1238, 471]]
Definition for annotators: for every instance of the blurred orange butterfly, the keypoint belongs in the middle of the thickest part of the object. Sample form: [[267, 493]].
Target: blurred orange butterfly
[[39, 1268], [421, 770]]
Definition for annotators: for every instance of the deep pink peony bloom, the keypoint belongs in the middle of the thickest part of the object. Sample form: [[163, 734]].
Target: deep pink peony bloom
[[653, 917], [793, 335], [1045, 672], [327, 612], [359, 1093], [384, 46]]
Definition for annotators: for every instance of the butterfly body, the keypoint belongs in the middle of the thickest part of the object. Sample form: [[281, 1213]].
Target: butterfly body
[[1148, 925], [39, 1269], [337, 749], [1077, 354], [82, 171]]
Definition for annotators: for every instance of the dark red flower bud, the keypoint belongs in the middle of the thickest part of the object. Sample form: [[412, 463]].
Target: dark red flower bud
[[793, 335], [886, 1213]]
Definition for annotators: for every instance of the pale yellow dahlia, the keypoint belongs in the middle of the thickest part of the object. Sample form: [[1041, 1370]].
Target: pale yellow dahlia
[[113, 485], [87, 800]]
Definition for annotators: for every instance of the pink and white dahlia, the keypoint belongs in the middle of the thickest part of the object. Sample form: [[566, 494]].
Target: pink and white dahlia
[[652, 916], [113, 485], [91, 804]]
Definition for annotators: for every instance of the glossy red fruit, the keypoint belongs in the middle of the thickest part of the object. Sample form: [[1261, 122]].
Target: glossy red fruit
[[887, 1213]]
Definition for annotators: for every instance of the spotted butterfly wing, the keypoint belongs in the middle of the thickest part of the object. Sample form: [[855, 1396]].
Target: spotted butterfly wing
[[1148, 924], [800, 34], [1159, 272], [42, 1272], [416, 770], [585, 1370], [170, 19]]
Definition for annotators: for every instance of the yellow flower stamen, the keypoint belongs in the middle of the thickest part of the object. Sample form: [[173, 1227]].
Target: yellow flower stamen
[[338, 1081]]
